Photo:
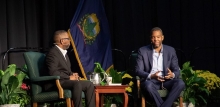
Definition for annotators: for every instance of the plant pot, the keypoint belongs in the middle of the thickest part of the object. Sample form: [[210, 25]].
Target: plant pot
[[191, 105], [113, 105], [10, 105], [185, 104], [109, 105]]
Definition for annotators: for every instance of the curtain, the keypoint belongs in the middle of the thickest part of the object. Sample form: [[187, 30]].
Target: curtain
[[186, 24]]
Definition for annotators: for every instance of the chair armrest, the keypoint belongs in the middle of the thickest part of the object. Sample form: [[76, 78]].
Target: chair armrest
[[44, 78], [138, 86], [137, 78], [48, 78], [60, 89]]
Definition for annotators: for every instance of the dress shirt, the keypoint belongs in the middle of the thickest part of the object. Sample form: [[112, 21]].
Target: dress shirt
[[157, 63], [62, 51]]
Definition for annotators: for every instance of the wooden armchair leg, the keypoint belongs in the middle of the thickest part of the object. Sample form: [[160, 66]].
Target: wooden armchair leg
[[68, 102], [72, 103], [35, 104], [142, 101], [181, 101], [135, 104]]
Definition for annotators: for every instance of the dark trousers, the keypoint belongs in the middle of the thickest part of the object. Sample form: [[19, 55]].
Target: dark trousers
[[77, 87], [174, 86]]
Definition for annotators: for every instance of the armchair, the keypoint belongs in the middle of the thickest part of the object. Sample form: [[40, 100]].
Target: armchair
[[35, 63], [138, 93]]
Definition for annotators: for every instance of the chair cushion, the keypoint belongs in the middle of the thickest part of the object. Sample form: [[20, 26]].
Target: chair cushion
[[163, 93], [67, 94], [50, 96], [83, 95]]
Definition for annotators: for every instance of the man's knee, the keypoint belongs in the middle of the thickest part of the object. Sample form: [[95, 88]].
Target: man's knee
[[181, 84], [77, 85], [149, 86], [90, 85]]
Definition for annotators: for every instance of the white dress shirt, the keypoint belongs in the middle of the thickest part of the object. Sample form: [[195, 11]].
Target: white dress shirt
[[157, 63], [62, 51]]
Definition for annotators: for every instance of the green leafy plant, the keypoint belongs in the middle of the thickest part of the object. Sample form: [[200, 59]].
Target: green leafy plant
[[195, 85], [11, 91], [121, 77], [117, 77]]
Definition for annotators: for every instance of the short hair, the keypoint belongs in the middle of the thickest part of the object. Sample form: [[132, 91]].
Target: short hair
[[156, 29], [57, 33]]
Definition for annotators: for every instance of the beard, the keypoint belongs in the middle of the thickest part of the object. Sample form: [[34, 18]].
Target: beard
[[66, 46], [156, 45]]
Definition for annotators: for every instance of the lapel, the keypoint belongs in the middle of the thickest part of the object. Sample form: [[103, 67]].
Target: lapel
[[165, 59], [150, 55], [68, 61], [63, 59]]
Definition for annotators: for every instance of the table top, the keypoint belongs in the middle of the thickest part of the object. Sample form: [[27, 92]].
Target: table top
[[110, 86]]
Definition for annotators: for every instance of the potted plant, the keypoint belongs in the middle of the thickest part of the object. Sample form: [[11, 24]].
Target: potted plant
[[11, 91], [212, 84], [195, 89]]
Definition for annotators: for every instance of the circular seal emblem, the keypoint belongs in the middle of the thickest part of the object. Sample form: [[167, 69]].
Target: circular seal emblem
[[89, 25]]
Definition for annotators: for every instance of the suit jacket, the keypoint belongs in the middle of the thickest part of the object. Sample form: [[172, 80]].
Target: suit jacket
[[144, 61], [57, 65]]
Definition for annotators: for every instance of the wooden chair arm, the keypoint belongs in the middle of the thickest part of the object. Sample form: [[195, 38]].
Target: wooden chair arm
[[60, 89]]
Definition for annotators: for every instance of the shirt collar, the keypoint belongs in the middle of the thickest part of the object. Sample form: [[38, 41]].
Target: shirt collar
[[160, 51], [62, 50]]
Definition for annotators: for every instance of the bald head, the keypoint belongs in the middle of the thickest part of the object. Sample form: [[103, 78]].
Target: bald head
[[61, 39], [58, 36]]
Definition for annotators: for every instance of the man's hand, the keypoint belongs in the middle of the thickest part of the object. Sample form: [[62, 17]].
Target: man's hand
[[169, 74], [157, 77], [74, 76]]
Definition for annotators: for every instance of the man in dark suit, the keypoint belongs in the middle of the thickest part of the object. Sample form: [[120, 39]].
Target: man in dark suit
[[157, 66], [58, 64]]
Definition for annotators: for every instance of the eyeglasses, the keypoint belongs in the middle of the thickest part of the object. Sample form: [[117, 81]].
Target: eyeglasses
[[65, 38]]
